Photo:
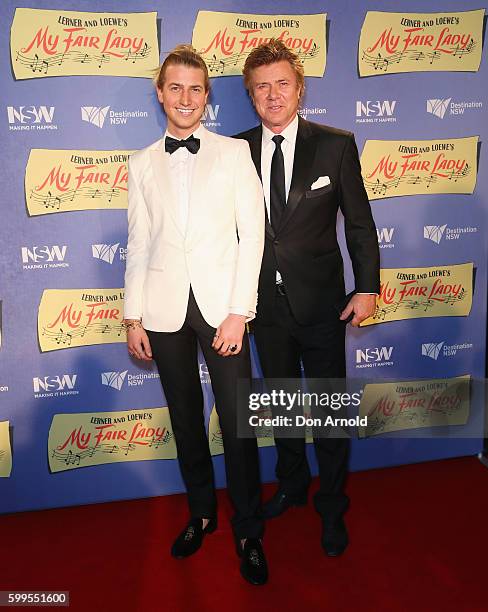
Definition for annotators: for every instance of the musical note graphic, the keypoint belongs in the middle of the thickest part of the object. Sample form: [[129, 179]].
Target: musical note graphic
[[65, 338], [382, 63], [425, 305], [219, 65], [420, 414], [162, 441], [68, 458], [380, 188], [76, 459], [63, 200], [134, 56], [128, 448], [102, 59], [39, 64]]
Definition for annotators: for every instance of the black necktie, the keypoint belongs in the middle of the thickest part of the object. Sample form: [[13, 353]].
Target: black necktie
[[277, 192], [191, 143]]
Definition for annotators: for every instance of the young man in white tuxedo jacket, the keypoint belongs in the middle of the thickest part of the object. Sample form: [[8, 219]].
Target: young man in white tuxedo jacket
[[196, 236], [308, 171]]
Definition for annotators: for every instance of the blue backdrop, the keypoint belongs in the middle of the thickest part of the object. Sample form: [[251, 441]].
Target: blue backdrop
[[332, 99]]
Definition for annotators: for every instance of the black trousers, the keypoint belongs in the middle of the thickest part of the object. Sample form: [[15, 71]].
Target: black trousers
[[176, 357], [321, 349]]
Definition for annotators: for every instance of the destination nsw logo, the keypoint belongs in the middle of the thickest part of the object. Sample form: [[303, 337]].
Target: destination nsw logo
[[96, 115], [435, 349], [435, 233], [116, 380], [440, 106], [108, 252]]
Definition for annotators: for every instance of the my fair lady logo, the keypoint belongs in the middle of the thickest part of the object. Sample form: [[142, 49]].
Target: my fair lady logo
[[139, 434], [416, 37], [410, 287], [77, 39]]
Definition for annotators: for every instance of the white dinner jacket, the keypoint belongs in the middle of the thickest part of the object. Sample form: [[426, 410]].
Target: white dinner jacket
[[220, 252]]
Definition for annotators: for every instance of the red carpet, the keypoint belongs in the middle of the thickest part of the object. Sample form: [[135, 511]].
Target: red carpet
[[419, 540]]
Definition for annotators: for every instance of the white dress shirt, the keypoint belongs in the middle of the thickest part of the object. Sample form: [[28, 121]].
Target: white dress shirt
[[268, 148], [182, 164]]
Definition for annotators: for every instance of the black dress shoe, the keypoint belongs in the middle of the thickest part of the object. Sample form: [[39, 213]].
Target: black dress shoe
[[254, 568], [334, 537], [191, 538], [280, 502]]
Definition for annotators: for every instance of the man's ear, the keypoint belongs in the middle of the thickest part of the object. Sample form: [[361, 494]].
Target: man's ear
[[160, 95]]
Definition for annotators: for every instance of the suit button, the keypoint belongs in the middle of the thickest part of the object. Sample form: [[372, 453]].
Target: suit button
[[276, 242]]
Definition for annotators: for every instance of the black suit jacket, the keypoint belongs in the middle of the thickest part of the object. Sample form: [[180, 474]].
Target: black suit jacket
[[304, 248]]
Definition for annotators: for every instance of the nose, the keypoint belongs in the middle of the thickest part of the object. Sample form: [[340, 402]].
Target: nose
[[273, 91], [185, 98]]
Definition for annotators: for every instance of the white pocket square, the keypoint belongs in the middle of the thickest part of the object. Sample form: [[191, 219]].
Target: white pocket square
[[322, 181]]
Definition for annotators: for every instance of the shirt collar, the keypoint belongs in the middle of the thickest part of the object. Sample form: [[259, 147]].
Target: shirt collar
[[289, 133], [197, 133]]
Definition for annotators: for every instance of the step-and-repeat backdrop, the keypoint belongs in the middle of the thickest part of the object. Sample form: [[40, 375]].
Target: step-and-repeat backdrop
[[77, 99]]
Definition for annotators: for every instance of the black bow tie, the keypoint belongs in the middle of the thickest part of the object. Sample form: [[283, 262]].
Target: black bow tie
[[172, 144]]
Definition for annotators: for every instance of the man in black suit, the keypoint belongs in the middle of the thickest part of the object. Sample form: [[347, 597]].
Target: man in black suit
[[308, 172]]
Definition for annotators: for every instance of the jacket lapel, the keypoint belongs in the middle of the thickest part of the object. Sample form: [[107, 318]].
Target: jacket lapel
[[161, 171], [302, 164], [255, 146], [255, 143], [205, 159]]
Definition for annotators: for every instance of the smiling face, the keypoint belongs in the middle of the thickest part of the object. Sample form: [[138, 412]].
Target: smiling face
[[276, 94], [183, 97]]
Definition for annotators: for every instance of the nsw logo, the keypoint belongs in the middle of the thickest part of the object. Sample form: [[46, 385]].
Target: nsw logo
[[55, 386], [31, 117], [385, 237], [105, 252], [44, 256], [374, 357], [114, 379], [94, 114], [375, 111], [210, 115], [204, 374]]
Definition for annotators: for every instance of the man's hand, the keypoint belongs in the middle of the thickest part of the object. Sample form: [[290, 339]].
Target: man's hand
[[362, 305], [138, 344], [229, 334]]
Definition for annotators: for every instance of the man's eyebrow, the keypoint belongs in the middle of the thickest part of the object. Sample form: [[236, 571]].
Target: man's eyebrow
[[181, 84]]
